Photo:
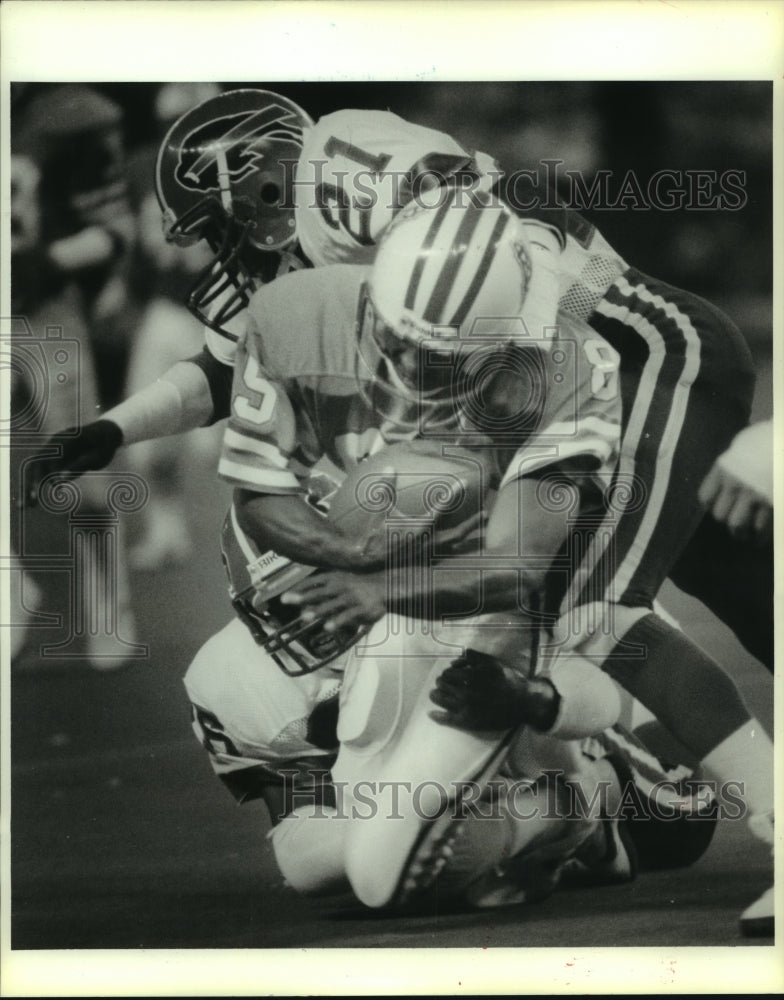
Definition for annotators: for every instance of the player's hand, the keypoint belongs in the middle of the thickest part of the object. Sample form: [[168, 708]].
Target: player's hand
[[477, 692], [93, 447], [341, 598], [738, 491]]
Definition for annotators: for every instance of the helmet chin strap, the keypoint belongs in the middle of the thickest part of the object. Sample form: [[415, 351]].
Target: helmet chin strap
[[289, 262]]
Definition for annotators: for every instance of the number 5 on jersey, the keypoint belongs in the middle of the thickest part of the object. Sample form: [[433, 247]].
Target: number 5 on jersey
[[258, 403]]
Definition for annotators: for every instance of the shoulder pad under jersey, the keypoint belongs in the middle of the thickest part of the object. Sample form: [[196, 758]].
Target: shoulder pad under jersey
[[355, 172]]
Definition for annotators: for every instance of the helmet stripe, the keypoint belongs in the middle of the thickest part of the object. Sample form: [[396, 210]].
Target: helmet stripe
[[416, 274], [481, 271], [446, 279]]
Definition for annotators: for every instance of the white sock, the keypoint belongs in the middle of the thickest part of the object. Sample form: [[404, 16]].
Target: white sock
[[742, 766]]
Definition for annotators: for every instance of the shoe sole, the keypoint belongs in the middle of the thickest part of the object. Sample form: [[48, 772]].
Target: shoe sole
[[418, 871]]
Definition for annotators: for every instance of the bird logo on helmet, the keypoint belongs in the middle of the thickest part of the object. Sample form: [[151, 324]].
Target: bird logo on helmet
[[447, 287], [224, 174], [230, 148]]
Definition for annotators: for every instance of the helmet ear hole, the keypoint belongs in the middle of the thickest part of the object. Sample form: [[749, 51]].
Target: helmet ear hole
[[223, 175], [270, 193]]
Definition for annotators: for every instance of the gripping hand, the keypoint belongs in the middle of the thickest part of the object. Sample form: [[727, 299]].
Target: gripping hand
[[93, 447], [477, 692]]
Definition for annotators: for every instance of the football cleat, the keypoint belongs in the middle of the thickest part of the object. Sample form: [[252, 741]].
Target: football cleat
[[469, 859], [419, 854], [530, 876], [437, 853], [609, 856], [534, 872]]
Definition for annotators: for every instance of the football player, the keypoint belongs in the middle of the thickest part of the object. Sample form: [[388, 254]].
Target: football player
[[249, 174], [684, 400], [228, 220], [265, 707], [295, 402], [291, 193], [640, 314]]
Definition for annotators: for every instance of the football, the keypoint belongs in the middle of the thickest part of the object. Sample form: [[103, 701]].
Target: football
[[415, 486]]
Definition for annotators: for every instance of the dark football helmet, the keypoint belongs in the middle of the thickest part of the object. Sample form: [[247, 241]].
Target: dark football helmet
[[224, 174]]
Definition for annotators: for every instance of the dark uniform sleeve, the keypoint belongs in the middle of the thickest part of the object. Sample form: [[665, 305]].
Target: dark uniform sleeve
[[219, 378]]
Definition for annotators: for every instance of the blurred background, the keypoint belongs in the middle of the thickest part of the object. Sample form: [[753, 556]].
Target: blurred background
[[639, 126]]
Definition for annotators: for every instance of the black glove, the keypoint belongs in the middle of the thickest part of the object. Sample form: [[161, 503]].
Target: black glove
[[477, 692], [93, 447]]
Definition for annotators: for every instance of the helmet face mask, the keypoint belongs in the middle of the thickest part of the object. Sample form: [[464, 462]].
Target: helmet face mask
[[296, 646], [257, 580], [224, 175], [410, 382], [222, 289]]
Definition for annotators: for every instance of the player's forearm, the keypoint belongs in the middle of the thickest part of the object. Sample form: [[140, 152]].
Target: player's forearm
[[467, 591], [177, 402], [288, 525]]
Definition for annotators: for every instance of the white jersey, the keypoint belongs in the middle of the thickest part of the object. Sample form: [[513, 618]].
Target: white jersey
[[357, 169], [587, 267], [255, 721]]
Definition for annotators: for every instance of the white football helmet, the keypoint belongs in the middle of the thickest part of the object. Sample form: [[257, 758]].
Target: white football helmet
[[442, 309], [257, 580]]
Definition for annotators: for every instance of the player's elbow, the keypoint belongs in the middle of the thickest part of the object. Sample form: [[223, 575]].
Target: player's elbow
[[251, 510]]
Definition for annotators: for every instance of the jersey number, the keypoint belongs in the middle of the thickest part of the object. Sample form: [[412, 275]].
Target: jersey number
[[354, 214], [258, 404], [375, 164], [604, 377], [212, 734]]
